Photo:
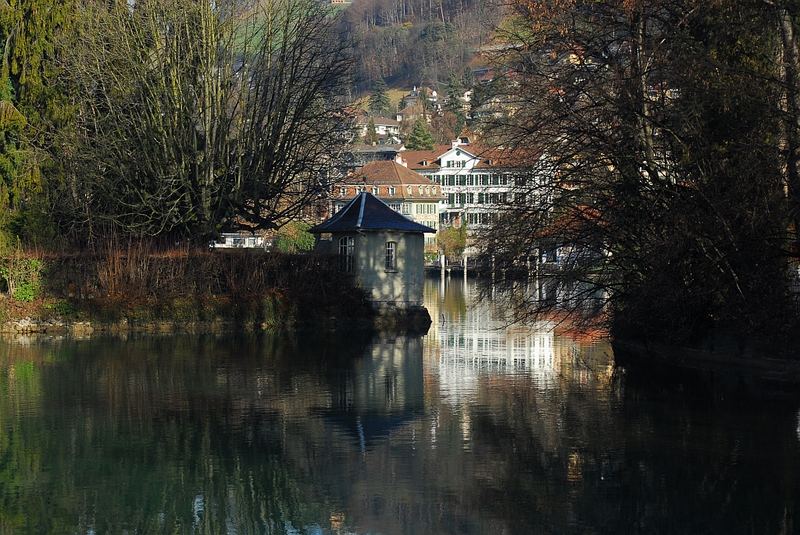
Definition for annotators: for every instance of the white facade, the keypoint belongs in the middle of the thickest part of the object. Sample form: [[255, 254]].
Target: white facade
[[472, 188], [384, 128], [366, 255], [235, 240]]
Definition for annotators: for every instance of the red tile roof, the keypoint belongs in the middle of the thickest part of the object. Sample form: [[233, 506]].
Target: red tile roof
[[389, 172], [416, 159], [384, 173]]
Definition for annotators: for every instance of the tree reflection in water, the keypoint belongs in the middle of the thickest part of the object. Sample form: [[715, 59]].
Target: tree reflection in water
[[475, 428]]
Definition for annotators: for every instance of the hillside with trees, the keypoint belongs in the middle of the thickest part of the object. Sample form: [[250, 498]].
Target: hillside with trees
[[412, 42]]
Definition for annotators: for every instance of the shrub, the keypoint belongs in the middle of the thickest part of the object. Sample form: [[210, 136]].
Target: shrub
[[294, 238], [21, 275], [27, 291], [61, 308]]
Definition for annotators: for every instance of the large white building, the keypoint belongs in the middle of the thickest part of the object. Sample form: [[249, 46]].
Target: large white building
[[475, 181]]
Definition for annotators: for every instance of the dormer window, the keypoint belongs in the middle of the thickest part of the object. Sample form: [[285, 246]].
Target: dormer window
[[425, 163]]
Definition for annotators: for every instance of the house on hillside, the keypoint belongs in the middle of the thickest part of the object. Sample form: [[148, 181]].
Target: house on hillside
[[403, 190], [387, 130], [409, 114], [361, 154], [422, 96]]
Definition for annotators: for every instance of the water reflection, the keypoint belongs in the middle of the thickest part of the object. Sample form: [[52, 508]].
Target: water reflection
[[475, 428], [381, 393], [474, 341]]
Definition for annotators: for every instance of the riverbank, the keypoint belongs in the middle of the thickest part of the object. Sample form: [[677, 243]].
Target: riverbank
[[199, 314], [214, 315], [143, 290]]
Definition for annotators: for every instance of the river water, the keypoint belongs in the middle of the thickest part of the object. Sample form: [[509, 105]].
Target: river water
[[474, 428]]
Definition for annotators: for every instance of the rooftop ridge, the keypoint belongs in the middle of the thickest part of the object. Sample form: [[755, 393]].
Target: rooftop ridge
[[372, 214]]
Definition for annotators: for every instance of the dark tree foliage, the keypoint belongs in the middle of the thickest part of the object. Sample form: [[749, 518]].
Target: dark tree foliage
[[371, 136], [420, 137], [659, 169], [455, 91], [379, 103], [33, 111]]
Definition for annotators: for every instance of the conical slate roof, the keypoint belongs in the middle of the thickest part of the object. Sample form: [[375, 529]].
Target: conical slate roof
[[367, 212]]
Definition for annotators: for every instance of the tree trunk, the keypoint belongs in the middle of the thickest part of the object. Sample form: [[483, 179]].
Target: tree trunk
[[791, 74]]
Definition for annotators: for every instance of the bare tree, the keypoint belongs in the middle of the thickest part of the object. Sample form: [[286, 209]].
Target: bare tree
[[653, 124], [195, 116]]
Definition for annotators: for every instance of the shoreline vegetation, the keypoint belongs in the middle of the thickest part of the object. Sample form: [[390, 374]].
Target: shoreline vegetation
[[144, 288]]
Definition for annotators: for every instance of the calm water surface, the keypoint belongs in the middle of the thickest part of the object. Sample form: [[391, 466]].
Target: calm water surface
[[472, 429]]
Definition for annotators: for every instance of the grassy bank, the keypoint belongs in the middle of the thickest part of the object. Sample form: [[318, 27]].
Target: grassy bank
[[140, 287]]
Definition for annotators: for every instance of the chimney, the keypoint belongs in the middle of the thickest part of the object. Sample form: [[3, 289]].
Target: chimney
[[399, 159]]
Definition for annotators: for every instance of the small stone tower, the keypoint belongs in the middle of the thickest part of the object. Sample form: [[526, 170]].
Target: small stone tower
[[382, 248]]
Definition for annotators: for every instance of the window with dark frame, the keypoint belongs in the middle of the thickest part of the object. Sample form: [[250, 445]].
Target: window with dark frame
[[346, 247]]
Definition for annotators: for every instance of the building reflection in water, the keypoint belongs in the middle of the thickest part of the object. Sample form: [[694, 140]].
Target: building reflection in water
[[471, 342], [381, 392]]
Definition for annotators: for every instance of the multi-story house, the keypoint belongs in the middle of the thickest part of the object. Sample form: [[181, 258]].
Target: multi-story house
[[361, 154], [404, 190], [387, 130], [475, 182]]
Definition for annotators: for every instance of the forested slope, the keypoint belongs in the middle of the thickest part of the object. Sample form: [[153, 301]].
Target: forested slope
[[410, 42]]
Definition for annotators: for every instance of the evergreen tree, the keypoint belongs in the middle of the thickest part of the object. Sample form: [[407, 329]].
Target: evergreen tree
[[31, 28], [34, 110], [454, 93], [468, 78], [371, 137], [379, 101], [12, 123], [420, 137]]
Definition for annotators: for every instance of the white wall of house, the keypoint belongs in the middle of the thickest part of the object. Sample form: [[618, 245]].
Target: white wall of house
[[401, 286], [380, 129]]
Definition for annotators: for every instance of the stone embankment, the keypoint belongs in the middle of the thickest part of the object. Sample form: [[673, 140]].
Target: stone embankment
[[413, 321], [87, 328]]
